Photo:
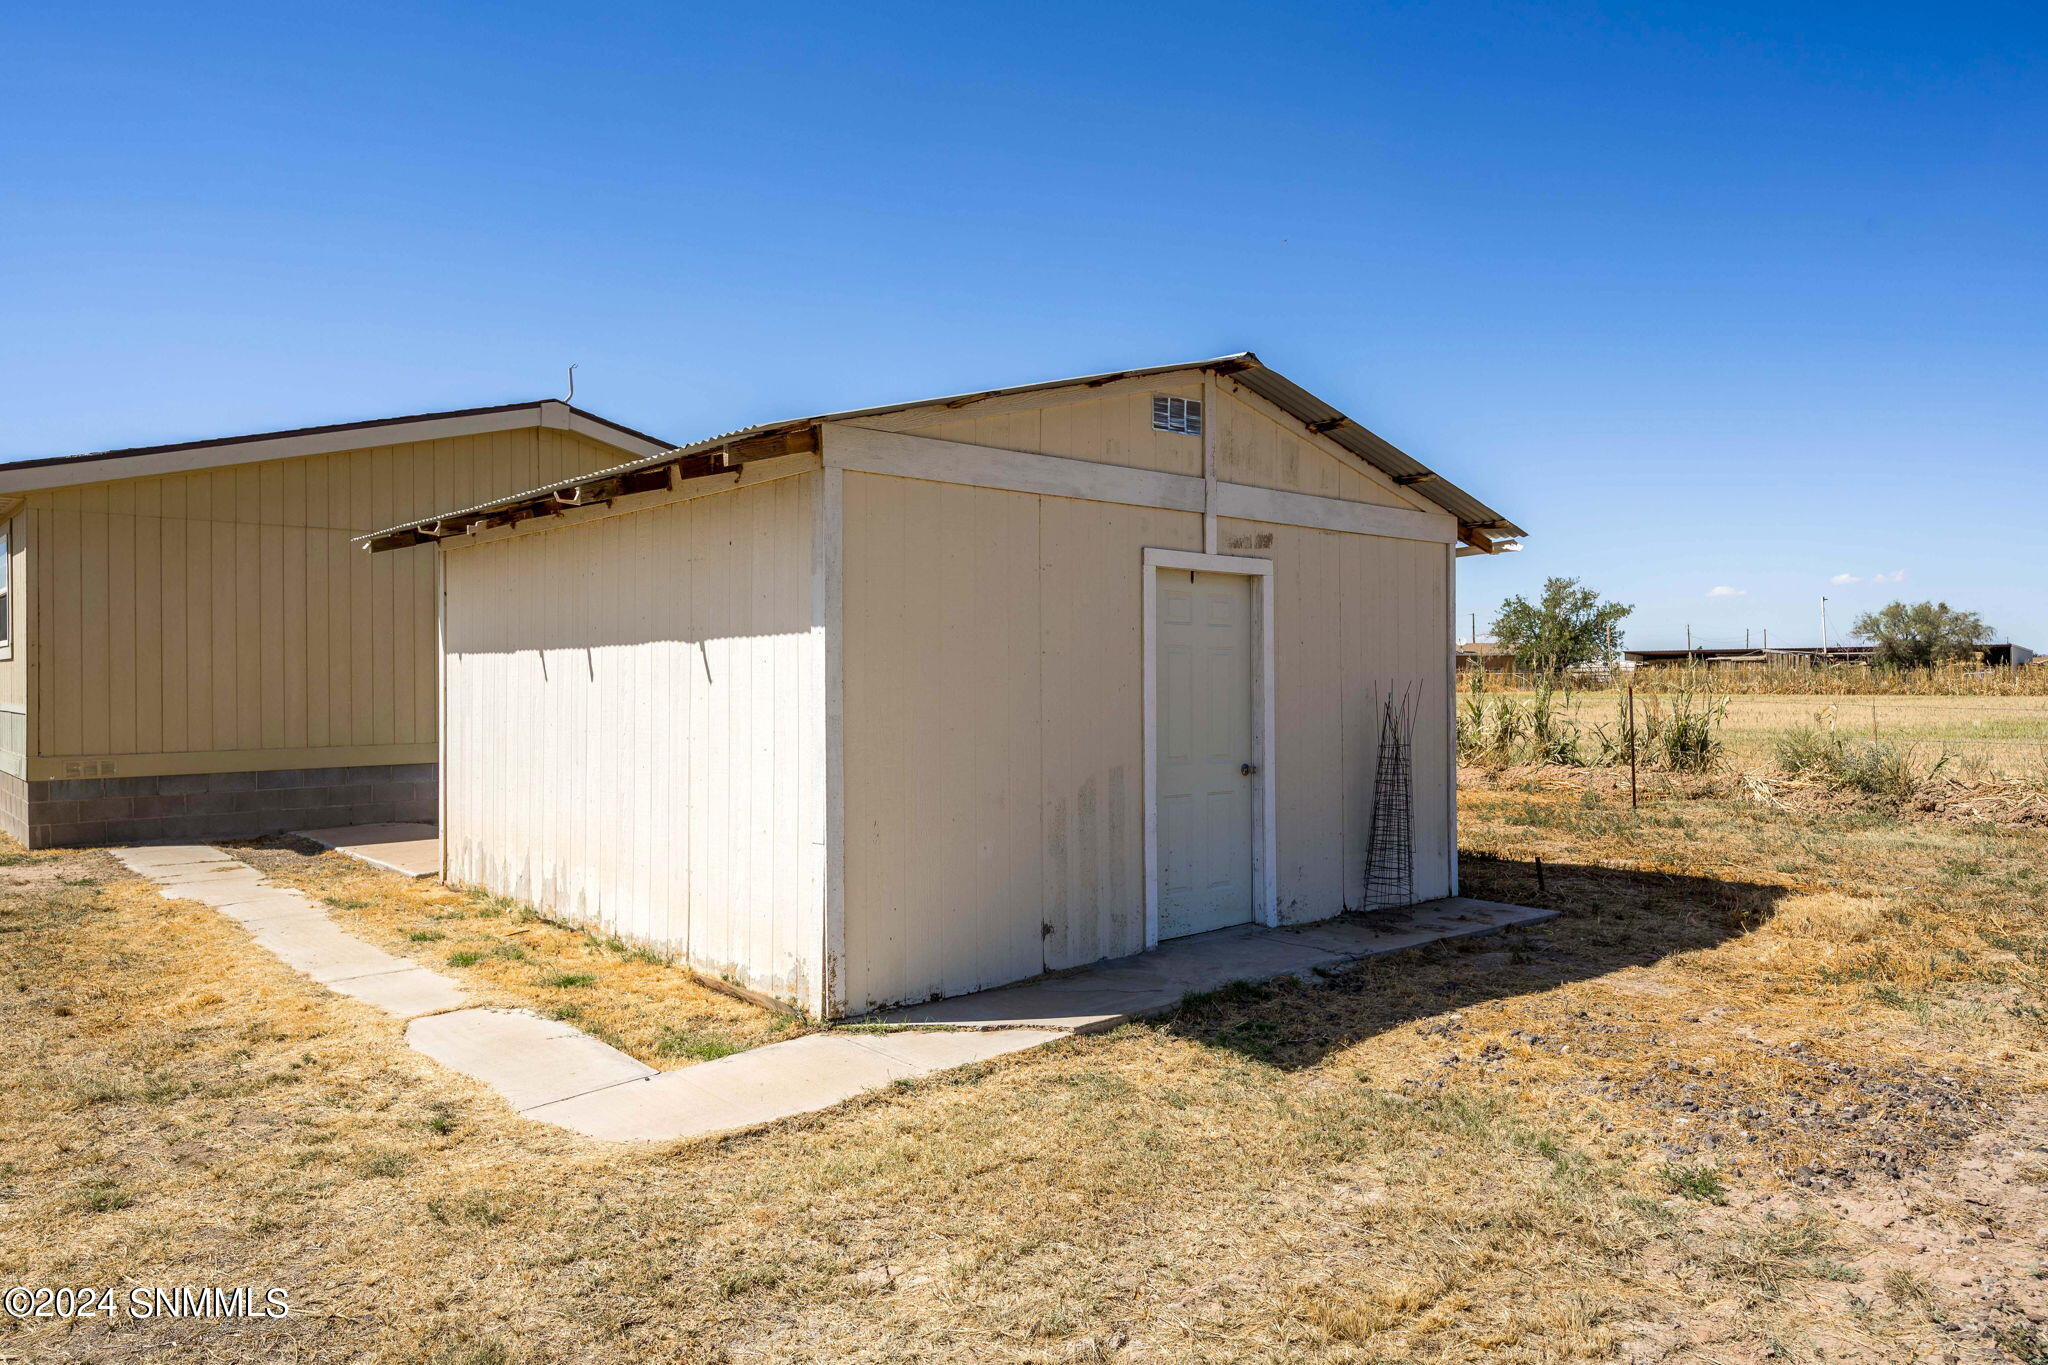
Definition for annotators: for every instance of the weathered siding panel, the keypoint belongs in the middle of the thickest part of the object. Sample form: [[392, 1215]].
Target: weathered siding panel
[[1093, 792], [1356, 619], [989, 631], [219, 620], [1114, 428], [941, 750], [1256, 443], [1260, 445], [625, 728], [994, 750]]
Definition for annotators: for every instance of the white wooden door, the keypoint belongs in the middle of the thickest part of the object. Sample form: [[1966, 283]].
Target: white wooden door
[[1204, 750]]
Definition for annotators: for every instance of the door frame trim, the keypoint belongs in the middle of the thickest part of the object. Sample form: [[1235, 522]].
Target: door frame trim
[[1265, 860]]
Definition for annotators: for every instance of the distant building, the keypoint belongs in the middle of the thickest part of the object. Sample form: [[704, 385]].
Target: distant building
[[1485, 655], [1807, 656]]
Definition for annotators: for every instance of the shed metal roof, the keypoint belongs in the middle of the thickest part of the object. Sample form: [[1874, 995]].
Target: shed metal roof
[[1476, 521]]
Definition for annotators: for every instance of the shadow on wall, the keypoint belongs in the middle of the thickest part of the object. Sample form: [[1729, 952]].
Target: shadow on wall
[[1610, 919]]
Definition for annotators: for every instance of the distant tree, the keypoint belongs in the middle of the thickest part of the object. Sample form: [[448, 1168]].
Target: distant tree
[[1568, 625], [1918, 634]]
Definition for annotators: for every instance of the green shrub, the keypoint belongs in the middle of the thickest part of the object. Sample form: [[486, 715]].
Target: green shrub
[[1875, 768], [1689, 740]]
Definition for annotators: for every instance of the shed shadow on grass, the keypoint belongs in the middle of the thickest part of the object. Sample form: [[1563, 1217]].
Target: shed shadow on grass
[[1609, 919]]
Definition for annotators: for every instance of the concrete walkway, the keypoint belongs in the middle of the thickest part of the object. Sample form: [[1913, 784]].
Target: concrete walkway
[[409, 850], [293, 927], [1090, 999], [556, 1073], [546, 1069]]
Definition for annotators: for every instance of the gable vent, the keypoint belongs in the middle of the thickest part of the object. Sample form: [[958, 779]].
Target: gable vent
[[1177, 414]]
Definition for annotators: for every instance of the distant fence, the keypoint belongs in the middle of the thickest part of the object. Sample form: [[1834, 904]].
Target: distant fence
[[1857, 679]]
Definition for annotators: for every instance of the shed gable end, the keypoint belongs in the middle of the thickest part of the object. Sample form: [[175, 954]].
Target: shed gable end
[[1255, 443]]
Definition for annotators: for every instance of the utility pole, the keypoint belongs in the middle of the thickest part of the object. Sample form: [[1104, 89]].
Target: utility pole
[[1475, 627], [1688, 644], [1823, 627], [1745, 639]]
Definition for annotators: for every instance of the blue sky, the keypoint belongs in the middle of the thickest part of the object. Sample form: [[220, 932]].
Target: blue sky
[[1717, 296]]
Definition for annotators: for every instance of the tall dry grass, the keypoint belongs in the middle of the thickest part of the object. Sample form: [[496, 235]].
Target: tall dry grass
[[1830, 680], [1679, 731]]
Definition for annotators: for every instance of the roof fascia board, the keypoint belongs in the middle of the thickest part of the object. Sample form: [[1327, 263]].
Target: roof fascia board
[[750, 475], [562, 417], [544, 414]]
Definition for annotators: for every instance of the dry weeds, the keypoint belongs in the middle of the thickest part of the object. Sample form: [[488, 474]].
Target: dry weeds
[[505, 953], [1770, 1089]]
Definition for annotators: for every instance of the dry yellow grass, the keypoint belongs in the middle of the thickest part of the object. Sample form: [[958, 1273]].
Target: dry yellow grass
[[504, 953], [1985, 735], [1507, 1150]]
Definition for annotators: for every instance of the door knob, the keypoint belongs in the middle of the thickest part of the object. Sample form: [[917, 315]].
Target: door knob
[[1247, 768]]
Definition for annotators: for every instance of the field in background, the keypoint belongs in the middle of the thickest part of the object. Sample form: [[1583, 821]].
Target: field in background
[[2004, 735]]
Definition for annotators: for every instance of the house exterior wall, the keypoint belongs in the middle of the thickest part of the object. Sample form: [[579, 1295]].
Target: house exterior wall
[[626, 743], [994, 771], [219, 623]]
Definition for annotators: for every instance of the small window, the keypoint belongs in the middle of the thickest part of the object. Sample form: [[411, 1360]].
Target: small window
[[1177, 414], [6, 585]]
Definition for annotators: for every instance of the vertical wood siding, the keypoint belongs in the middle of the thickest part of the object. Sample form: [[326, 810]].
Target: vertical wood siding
[[1256, 443], [223, 612], [994, 725], [1355, 618], [625, 712], [1113, 429], [1260, 445], [994, 736]]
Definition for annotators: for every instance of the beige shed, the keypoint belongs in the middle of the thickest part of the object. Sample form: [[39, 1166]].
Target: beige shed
[[190, 648], [907, 702]]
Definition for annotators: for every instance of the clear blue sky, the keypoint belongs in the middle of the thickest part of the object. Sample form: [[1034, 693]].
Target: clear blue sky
[[1734, 295]]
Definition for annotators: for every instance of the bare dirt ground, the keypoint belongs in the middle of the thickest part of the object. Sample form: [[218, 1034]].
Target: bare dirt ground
[[1770, 1089]]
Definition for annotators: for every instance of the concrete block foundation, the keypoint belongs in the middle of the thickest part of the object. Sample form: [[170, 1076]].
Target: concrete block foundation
[[202, 806]]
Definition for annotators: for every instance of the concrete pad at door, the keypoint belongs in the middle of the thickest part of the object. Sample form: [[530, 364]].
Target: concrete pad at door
[[1109, 993], [529, 1060], [412, 850], [407, 993]]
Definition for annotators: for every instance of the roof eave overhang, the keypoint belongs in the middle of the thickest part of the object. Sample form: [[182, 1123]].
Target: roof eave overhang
[[1480, 528], [107, 466]]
